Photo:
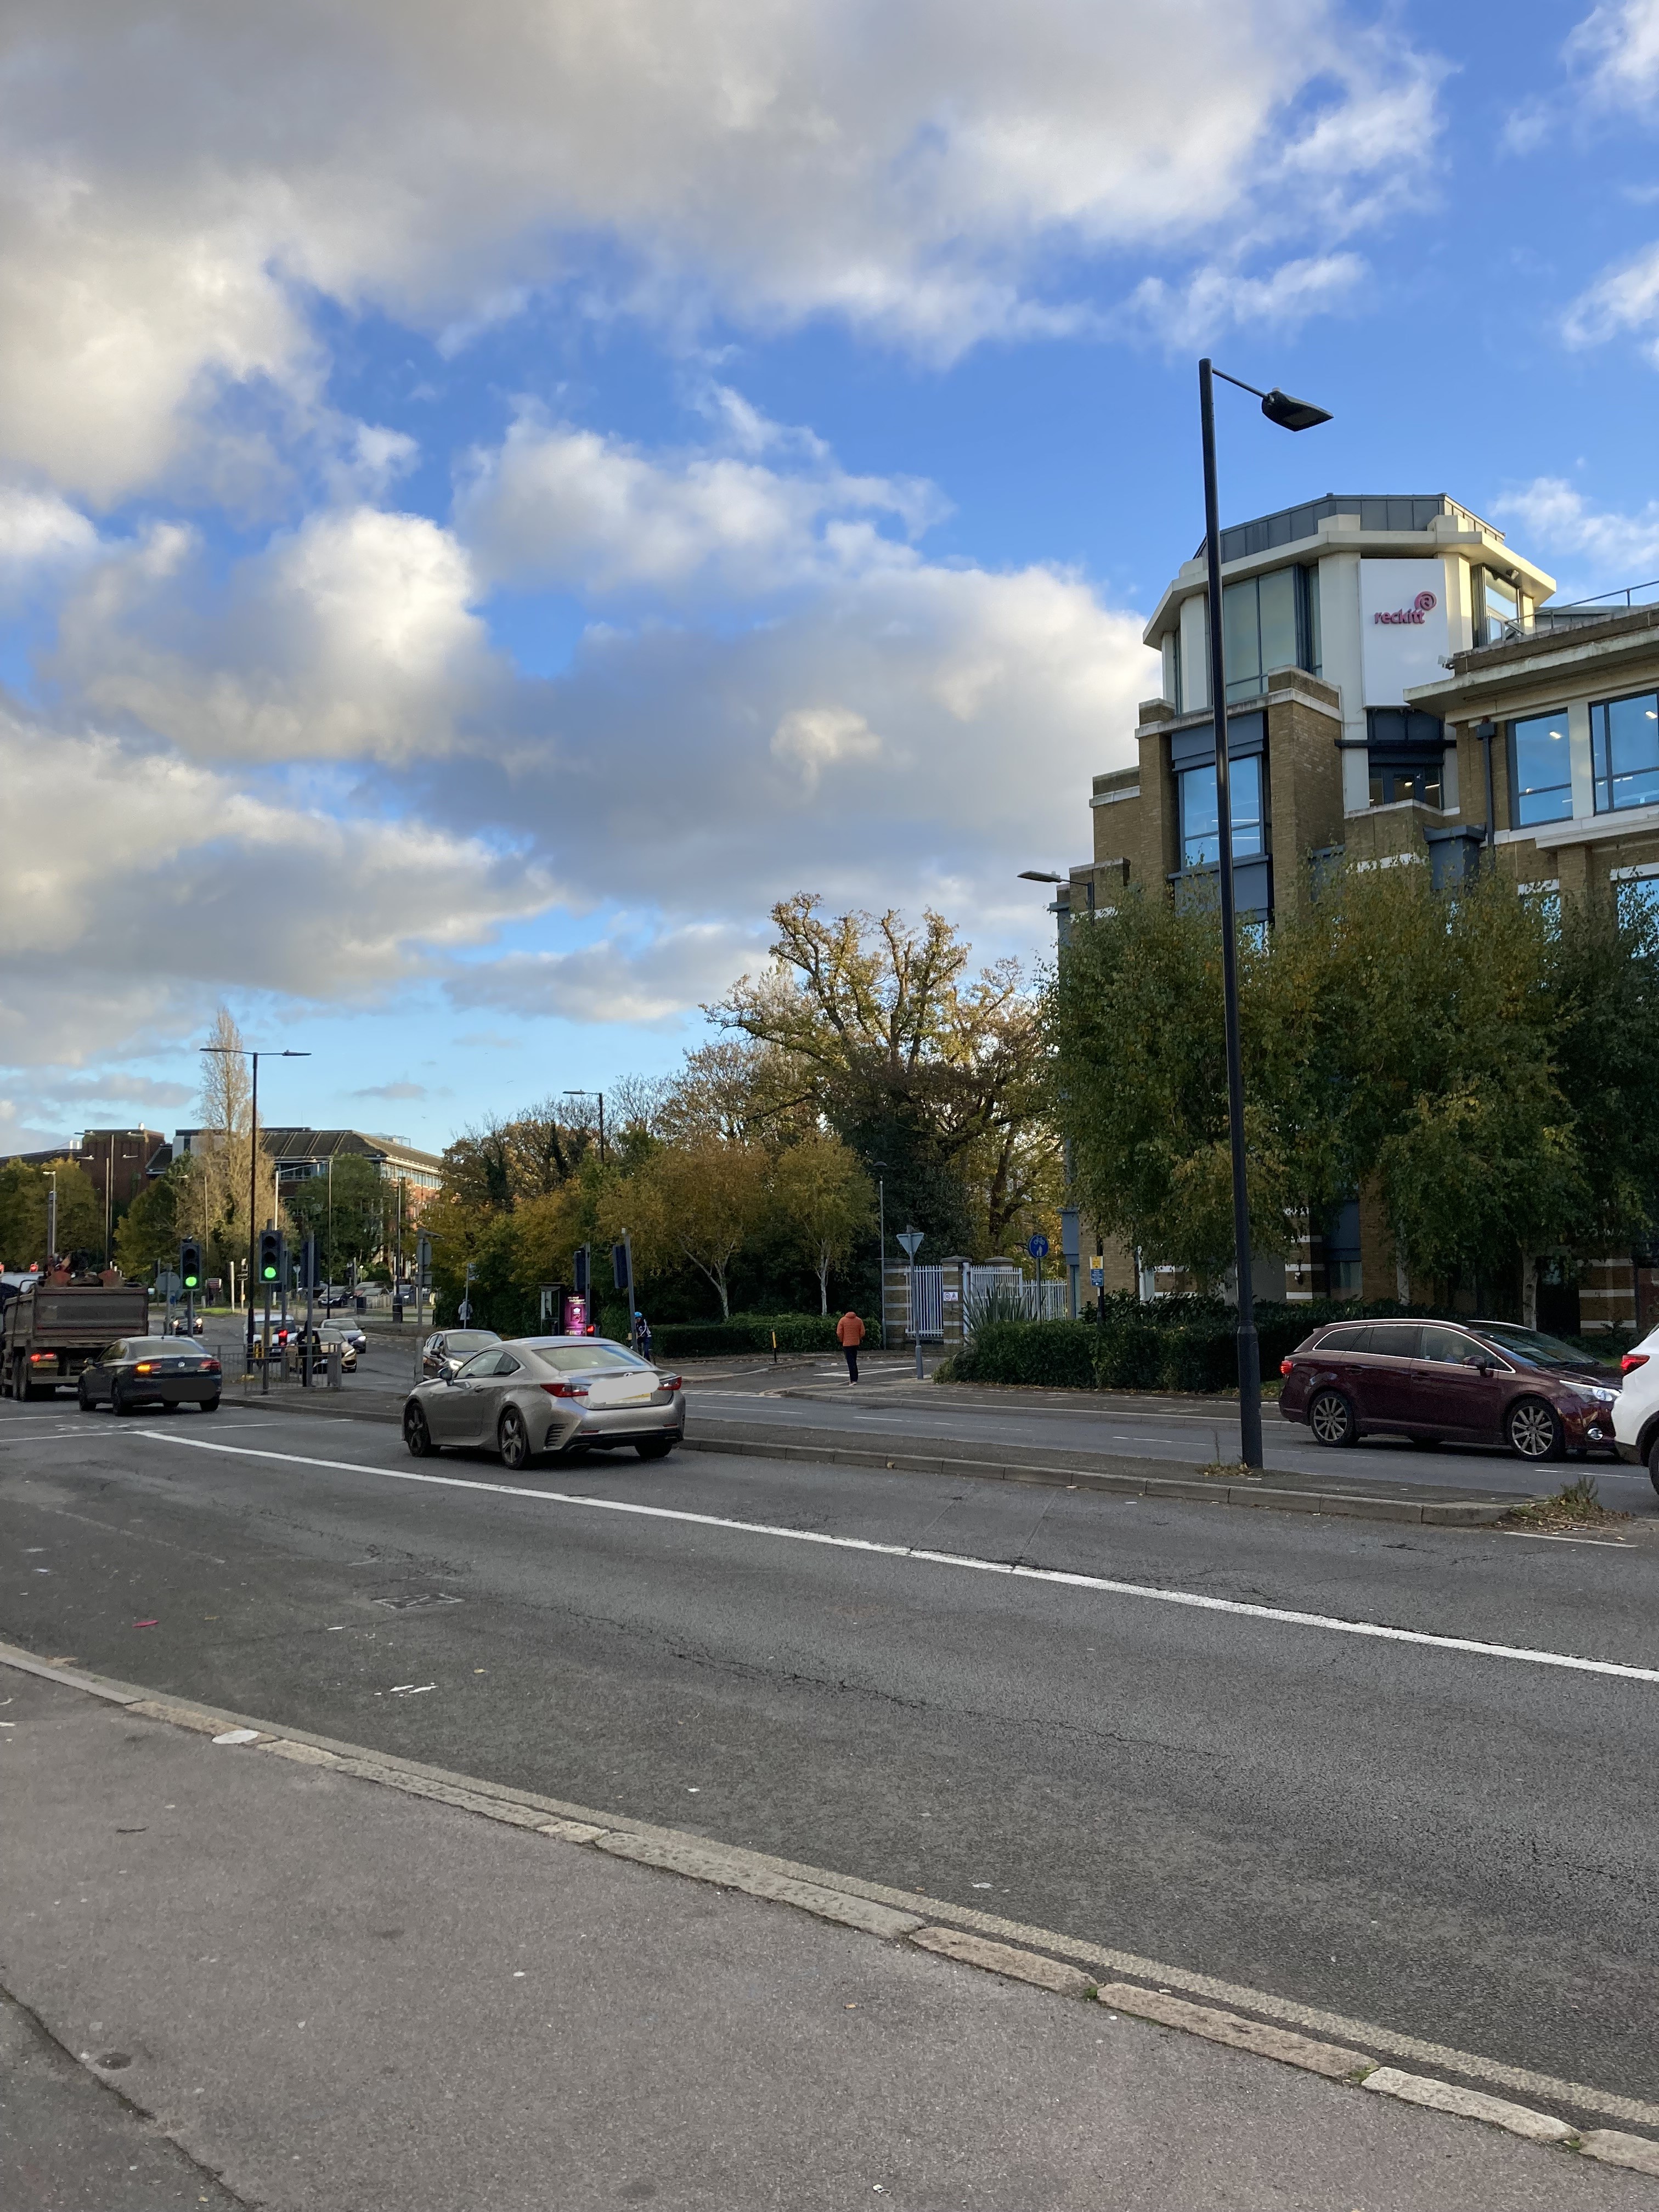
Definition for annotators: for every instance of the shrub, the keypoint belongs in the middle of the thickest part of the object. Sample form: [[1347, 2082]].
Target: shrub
[[708, 1339]]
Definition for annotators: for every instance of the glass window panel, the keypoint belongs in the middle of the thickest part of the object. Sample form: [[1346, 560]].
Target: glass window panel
[[1393, 1339], [1200, 815], [1242, 637], [1625, 751], [1200, 818], [1276, 597], [1315, 653], [1541, 761]]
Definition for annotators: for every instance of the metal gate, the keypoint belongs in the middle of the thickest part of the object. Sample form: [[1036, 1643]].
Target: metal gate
[[927, 1303]]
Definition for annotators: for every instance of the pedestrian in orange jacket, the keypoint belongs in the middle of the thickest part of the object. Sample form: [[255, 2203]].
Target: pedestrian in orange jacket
[[849, 1335]]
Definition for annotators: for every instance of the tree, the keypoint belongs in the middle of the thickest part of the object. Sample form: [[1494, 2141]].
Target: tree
[[698, 1202], [497, 1165], [1392, 1034], [161, 1214], [345, 1208], [223, 1151], [938, 1078], [23, 1189], [825, 1202]]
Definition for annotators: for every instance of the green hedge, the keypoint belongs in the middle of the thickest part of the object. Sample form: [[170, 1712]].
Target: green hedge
[[708, 1339], [1168, 1344]]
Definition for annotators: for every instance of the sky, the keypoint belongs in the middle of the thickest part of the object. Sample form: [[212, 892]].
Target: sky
[[491, 499]]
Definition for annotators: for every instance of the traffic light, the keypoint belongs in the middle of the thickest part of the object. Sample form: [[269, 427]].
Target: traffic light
[[621, 1271], [309, 1264], [271, 1257], [189, 1265], [580, 1273]]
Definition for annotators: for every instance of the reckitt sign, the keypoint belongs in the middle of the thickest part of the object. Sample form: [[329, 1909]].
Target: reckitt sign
[[1417, 614]]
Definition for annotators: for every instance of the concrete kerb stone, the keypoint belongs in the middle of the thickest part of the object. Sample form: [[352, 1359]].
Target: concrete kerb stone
[[1470, 2104], [892, 1915]]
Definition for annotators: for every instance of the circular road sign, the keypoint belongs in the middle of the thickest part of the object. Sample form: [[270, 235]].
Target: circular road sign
[[1038, 1248]]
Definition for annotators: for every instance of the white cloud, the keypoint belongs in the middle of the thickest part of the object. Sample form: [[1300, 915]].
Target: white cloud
[[1618, 46], [351, 636], [174, 182], [40, 530], [556, 505], [1216, 300], [140, 887], [637, 978], [1623, 299], [820, 738], [1605, 547]]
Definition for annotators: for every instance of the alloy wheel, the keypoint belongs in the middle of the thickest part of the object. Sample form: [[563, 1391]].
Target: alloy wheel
[[514, 1439], [416, 1435], [1330, 1419], [1534, 1430]]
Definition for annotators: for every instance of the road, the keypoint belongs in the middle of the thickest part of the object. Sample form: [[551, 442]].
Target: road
[[1455, 1844]]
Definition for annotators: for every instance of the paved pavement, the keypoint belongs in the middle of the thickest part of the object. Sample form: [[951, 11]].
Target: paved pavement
[[1454, 1842], [310, 1991]]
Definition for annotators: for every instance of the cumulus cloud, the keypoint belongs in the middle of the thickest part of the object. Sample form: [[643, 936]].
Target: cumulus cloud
[[174, 184], [1214, 299], [121, 936], [558, 505], [351, 636], [1617, 47], [1622, 299], [1604, 546]]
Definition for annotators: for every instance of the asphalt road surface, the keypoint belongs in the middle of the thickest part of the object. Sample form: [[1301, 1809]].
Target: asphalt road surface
[[1457, 1843]]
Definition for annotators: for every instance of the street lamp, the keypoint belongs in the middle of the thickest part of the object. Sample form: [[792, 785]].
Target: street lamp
[[241, 1052], [599, 1094], [1290, 415]]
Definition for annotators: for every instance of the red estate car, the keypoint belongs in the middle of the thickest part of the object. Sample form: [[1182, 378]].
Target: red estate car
[[1478, 1383]]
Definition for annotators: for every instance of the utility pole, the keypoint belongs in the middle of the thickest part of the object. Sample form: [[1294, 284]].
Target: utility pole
[[51, 1220], [241, 1052]]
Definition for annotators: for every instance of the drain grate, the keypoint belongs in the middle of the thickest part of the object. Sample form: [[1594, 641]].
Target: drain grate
[[416, 1601]]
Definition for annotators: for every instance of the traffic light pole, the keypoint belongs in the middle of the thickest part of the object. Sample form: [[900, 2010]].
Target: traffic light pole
[[264, 1363]]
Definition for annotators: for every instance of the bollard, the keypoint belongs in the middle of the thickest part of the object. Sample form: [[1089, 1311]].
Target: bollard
[[334, 1367]]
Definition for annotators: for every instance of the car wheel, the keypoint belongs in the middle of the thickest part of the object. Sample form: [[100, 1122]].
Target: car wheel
[[416, 1435], [1534, 1429], [1330, 1419], [656, 1447], [210, 1404], [514, 1439], [118, 1401], [83, 1398], [1653, 1462]]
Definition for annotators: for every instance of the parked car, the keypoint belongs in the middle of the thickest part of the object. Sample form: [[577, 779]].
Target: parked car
[[1636, 1416], [1478, 1381], [347, 1331], [321, 1340], [150, 1371], [548, 1393], [445, 1351]]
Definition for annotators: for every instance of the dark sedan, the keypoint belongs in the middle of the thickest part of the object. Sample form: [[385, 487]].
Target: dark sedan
[[1477, 1382], [150, 1371]]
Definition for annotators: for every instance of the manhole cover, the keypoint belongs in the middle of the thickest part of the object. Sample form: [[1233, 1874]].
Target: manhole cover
[[416, 1601]]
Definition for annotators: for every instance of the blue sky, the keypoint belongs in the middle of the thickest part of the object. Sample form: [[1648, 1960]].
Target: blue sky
[[491, 499]]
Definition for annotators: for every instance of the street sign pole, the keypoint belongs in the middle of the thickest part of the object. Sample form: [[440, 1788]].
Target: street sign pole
[[1038, 1249], [911, 1239]]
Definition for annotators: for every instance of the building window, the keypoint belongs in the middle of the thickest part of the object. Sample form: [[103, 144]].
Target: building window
[[1407, 754], [1269, 622], [1541, 771], [1625, 752], [1500, 609], [1343, 1270], [1636, 892], [1200, 815]]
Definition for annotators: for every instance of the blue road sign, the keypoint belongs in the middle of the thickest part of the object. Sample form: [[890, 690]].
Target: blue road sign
[[1097, 1276], [1038, 1248]]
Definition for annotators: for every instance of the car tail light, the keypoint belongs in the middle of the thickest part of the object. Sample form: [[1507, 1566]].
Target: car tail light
[[145, 1367], [1285, 1365], [565, 1390], [668, 1383], [1633, 1359], [37, 1357], [209, 1367]]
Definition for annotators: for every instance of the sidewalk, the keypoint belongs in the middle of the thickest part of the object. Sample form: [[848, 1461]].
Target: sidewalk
[[327, 1993]]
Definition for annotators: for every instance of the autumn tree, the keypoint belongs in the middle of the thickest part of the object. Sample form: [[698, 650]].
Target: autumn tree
[[934, 1077], [697, 1203], [824, 1200]]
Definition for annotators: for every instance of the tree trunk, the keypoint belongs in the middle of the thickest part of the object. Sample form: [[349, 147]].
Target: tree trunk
[[823, 1280]]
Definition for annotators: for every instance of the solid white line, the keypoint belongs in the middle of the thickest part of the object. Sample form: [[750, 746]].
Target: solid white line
[[1195, 1600]]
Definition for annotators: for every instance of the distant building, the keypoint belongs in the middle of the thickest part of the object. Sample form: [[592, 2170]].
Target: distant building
[[299, 1154], [1399, 691]]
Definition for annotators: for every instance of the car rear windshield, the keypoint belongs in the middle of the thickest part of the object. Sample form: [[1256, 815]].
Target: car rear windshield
[[1532, 1344], [471, 1339]]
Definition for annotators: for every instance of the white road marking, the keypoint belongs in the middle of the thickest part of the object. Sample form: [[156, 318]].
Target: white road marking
[[1195, 1600]]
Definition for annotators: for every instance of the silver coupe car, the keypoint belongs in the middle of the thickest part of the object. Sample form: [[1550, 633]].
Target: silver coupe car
[[548, 1393]]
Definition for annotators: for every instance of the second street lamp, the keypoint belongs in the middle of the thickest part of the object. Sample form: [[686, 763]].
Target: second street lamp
[[1290, 415]]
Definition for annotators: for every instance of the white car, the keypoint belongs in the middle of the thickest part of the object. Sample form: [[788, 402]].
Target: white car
[[1636, 1410]]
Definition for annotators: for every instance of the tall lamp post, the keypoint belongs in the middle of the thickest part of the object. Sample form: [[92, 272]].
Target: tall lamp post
[[1290, 415], [241, 1052]]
